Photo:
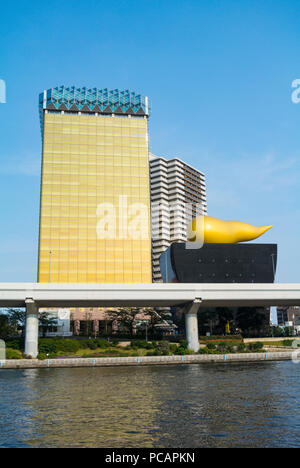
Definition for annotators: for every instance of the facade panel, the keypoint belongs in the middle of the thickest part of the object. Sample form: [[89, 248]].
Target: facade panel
[[93, 166]]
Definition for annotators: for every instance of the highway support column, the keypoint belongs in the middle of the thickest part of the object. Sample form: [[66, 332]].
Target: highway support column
[[31, 328], [191, 325]]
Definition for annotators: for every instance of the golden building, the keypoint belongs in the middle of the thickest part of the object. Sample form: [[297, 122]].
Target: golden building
[[95, 194]]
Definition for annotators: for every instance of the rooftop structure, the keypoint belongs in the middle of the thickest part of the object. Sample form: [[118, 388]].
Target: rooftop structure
[[93, 100]]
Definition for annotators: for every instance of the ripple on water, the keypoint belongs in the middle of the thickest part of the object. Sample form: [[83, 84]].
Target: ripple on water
[[201, 405]]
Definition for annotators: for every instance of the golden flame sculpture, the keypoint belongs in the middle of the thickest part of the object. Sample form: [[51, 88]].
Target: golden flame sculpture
[[213, 230]]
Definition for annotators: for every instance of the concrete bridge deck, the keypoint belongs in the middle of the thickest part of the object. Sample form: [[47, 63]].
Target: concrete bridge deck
[[191, 296], [151, 295]]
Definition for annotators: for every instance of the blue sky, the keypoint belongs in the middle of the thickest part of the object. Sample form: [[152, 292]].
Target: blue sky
[[219, 75]]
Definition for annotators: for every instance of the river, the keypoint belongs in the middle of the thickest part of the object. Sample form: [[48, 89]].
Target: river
[[172, 406]]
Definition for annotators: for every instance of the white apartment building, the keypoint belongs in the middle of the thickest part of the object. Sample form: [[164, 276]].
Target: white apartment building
[[178, 193]]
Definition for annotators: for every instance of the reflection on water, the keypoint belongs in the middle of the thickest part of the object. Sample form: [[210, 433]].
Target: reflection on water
[[210, 405]]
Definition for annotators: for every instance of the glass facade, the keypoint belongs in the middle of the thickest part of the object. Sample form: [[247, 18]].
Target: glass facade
[[94, 164]]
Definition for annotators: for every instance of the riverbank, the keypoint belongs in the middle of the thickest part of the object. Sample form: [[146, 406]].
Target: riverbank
[[145, 360]]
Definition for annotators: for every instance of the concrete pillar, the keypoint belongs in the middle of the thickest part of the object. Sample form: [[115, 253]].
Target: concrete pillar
[[191, 325], [31, 329]]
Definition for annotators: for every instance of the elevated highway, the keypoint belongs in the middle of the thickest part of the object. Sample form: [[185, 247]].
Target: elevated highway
[[148, 295], [191, 296]]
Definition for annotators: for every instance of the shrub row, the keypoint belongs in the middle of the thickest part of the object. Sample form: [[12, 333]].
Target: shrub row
[[228, 348], [221, 338], [50, 347], [15, 343], [157, 348], [287, 342], [13, 354], [54, 345]]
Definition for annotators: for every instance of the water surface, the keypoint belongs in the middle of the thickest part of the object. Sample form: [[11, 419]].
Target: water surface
[[196, 405]]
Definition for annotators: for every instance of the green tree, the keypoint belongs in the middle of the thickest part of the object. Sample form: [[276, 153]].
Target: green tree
[[225, 314], [46, 321], [160, 317], [288, 331], [6, 330], [125, 317], [208, 320], [17, 319], [277, 332], [252, 321], [214, 320], [88, 324]]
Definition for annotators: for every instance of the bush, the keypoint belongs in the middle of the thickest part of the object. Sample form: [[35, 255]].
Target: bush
[[141, 344], [288, 331], [17, 343], [183, 344], [47, 346], [163, 347], [188, 351], [63, 345], [12, 354], [149, 345], [230, 348], [181, 351], [68, 346], [102, 343], [222, 338], [241, 347], [287, 342], [42, 356], [210, 350], [211, 346], [257, 346], [92, 344], [205, 350], [173, 348], [225, 348]]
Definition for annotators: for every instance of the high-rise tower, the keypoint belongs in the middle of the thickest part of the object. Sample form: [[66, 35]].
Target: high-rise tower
[[95, 194], [178, 193]]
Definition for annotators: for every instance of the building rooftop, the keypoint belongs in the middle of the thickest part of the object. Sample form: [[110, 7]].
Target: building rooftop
[[93, 100], [154, 157]]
